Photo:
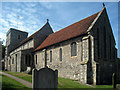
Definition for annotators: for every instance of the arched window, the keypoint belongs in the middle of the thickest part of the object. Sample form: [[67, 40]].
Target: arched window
[[50, 56], [36, 58], [60, 54], [73, 49], [81, 51]]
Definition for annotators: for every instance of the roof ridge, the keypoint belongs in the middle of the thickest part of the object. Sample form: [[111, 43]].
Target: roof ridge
[[99, 13]]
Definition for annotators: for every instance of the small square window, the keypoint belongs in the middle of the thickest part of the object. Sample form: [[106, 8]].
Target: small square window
[[18, 36]]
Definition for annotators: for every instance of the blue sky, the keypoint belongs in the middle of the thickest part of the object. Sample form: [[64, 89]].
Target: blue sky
[[33, 15]]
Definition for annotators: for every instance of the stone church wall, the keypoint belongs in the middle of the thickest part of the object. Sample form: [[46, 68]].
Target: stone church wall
[[14, 62], [20, 57], [71, 66]]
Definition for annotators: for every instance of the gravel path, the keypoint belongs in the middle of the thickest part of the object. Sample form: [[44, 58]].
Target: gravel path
[[26, 83]]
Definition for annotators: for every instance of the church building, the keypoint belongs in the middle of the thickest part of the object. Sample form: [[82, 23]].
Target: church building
[[84, 51], [19, 48]]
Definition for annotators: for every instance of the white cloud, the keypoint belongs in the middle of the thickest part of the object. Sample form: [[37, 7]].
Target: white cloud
[[4, 22], [30, 4], [47, 5], [12, 15], [3, 37]]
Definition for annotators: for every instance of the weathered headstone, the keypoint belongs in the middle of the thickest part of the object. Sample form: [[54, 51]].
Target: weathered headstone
[[29, 70], [44, 78], [114, 80]]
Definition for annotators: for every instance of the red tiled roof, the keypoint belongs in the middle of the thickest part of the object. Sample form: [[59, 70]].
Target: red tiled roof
[[71, 31]]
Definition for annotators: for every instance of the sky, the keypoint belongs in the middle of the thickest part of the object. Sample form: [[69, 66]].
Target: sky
[[31, 16]]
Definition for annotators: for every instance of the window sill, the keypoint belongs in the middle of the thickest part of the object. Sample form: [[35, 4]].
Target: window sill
[[73, 56], [84, 62]]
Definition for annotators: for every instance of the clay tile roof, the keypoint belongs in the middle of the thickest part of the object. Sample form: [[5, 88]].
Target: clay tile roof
[[69, 32]]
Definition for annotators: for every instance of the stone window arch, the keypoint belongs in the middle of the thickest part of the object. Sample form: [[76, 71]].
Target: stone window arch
[[73, 49]]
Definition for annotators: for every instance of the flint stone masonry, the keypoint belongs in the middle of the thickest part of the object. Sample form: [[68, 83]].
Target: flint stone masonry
[[44, 78], [69, 67]]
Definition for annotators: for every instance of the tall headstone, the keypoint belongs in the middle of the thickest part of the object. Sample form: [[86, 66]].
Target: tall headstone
[[45, 78]]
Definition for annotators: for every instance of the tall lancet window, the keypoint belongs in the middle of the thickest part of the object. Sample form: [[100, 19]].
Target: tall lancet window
[[50, 56], [36, 58], [98, 50], [104, 36], [110, 46], [60, 54], [73, 49]]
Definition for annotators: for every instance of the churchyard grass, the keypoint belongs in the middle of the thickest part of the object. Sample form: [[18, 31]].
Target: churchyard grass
[[24, 76], [11, 83], [62, 82], [104, 86], [69, 83]]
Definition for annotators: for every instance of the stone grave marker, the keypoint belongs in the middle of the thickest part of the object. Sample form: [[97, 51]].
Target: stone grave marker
[[45, 78]]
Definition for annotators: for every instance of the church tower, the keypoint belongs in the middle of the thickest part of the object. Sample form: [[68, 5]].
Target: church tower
[[13, 38]]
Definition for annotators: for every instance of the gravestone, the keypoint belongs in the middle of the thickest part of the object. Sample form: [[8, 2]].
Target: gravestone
[[44, 78], [29, 70]]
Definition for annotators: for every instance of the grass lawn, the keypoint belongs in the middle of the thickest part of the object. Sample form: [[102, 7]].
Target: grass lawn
[[11, 83], [69, 83], [104, 86], [62, 82], [24, 76]]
